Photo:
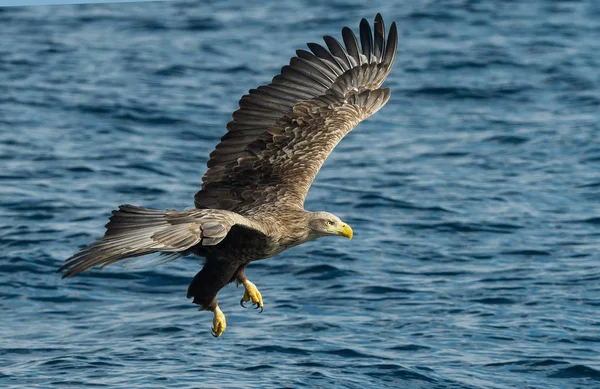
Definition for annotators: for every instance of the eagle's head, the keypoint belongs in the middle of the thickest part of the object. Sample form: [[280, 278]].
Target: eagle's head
[[327, 224]]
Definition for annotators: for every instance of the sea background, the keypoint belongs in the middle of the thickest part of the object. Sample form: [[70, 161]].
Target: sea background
[[474, 197]]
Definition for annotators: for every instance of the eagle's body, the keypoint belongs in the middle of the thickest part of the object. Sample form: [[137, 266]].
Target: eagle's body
[[251, 205]]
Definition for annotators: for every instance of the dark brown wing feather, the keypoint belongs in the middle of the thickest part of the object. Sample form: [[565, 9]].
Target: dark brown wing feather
[[284, 131]]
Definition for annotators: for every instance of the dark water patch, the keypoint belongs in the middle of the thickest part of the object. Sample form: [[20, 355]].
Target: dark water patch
[[80, 169], [507, 139], [26, 351], [548, 362], [409, 347], [138, 190], [494, 301], [386, 290], [259, 367], [434, 15], [507, 363], [171, 70], [501, 338], [590, 185], [506, 279], [280, 350], [94, 109], [588, 339], [577, 371], [202, 24], [60, 299], [591, 220], [75, 383], [527, 253], [529, 362], [506, 288], [449, 273], [445, 154], [167, 330]]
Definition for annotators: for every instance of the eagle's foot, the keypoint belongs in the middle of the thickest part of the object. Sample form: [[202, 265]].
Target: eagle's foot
[[219, 323], [251, 293]]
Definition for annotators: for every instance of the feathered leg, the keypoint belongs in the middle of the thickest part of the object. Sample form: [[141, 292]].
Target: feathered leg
[[215, 274], [251, 292]]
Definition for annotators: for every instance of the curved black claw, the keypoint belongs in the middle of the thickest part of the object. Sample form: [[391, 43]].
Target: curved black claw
[[212, 332], [242, 303], [258, 306]]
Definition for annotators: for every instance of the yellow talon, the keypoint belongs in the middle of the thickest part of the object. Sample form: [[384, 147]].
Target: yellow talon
[[253, 294], [219, 323]]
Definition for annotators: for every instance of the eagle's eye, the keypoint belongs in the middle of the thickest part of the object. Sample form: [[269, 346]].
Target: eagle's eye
[[329, 223]]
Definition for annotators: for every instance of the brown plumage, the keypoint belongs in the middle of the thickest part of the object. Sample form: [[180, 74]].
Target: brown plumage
[[251, 205]]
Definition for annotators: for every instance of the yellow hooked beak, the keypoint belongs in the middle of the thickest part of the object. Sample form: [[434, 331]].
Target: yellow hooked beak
[[345, 230]]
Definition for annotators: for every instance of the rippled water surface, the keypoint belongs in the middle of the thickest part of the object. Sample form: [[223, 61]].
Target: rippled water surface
[[474, 196]]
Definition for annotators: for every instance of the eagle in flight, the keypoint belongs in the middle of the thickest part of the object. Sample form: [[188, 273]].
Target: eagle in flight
[[251, 205]]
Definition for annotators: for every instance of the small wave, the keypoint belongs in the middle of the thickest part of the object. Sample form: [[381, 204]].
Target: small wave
[[347, 353], [396, 371], [375, 200], [324, 272], [258, 367], [146, 168], [171, 70], [409, 347]]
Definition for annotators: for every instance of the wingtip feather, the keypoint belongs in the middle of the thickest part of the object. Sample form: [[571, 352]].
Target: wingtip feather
[[391, 46], [366, 39], [379, 42]]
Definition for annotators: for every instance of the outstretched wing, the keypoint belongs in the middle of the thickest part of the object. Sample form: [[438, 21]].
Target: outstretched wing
[[135, 231], [283, 132]]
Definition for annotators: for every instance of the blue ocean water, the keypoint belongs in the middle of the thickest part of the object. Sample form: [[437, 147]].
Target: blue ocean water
[[473, 195]]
